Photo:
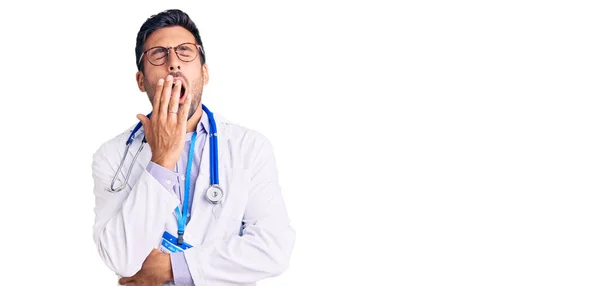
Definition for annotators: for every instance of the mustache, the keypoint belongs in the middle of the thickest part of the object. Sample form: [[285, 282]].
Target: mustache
[[178, 74]]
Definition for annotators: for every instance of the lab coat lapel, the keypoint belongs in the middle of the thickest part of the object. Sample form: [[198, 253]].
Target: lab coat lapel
[[203, 179]]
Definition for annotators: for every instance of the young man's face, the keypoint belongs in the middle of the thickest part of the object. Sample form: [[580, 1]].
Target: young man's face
[[192, 74]]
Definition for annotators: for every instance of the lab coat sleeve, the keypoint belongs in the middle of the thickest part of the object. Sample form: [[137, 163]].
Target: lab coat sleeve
[[128, 224], [264, 248]]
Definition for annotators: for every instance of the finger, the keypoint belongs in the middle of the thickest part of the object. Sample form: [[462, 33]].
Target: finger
[[125, 280], [157, 96], [174, 102], [184, 111], [145, 122], [166, 96]]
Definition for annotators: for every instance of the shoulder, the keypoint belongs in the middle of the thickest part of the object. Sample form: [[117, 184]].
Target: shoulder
[[238, 132], [249, 142]]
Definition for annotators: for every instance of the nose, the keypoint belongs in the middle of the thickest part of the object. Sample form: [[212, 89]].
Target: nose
[[174, 65], [174, 62]]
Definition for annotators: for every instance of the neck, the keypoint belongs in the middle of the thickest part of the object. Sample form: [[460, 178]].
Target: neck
[[193, 122]]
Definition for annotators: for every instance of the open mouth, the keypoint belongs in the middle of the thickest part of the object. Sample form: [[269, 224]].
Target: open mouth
[[182, 93]]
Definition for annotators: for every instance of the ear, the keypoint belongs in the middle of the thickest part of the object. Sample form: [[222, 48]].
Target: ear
[[205, 73], [139, 78]]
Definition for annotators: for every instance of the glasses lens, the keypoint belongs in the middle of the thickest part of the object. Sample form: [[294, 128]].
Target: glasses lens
[[187, 52], [157, 56]]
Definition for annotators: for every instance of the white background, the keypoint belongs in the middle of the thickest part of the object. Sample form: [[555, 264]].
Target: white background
[[418, 142]]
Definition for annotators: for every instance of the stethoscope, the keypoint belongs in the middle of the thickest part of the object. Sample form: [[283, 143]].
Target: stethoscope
[[214, 194]]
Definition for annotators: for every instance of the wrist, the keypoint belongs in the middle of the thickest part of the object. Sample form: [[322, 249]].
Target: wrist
[[168, 268], [165, 163]]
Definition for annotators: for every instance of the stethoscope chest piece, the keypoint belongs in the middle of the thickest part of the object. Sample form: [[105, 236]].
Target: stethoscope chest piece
[[214, 194]]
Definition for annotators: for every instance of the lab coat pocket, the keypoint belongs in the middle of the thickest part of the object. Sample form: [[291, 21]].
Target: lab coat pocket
[[234, 203], [227, 215], [235, 193]]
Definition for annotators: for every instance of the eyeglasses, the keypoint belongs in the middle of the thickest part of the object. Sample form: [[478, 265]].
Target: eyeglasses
[[158, 56]]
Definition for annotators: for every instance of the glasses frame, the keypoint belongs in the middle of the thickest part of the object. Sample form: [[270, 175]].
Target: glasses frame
[[200, 49]]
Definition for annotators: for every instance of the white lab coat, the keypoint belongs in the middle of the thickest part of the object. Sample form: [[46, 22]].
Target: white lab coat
[[130, 223]]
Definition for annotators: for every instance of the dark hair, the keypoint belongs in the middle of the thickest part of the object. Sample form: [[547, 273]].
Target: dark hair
[[168, 18]]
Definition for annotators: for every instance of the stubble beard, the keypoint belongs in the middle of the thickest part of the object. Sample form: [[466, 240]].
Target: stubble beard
[[195, 92]]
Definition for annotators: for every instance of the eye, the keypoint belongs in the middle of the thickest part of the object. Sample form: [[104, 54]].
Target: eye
[[159, 50], [186, 51], [157, 54]]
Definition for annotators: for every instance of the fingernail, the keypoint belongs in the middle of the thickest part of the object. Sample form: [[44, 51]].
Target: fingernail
[[178, 83], [161, 81], [169, 77]]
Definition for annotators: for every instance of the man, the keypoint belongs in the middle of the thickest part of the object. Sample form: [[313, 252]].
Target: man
[[143, 232]]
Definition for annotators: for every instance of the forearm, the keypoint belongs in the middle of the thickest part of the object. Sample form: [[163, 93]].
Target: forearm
[[258, 254], [262, 250], [126, 238]]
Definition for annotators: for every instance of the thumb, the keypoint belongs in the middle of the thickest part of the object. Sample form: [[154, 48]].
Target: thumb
[[145, 120]]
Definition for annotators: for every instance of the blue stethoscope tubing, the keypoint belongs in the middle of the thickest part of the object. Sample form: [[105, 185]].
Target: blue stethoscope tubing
[[214, 194]]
